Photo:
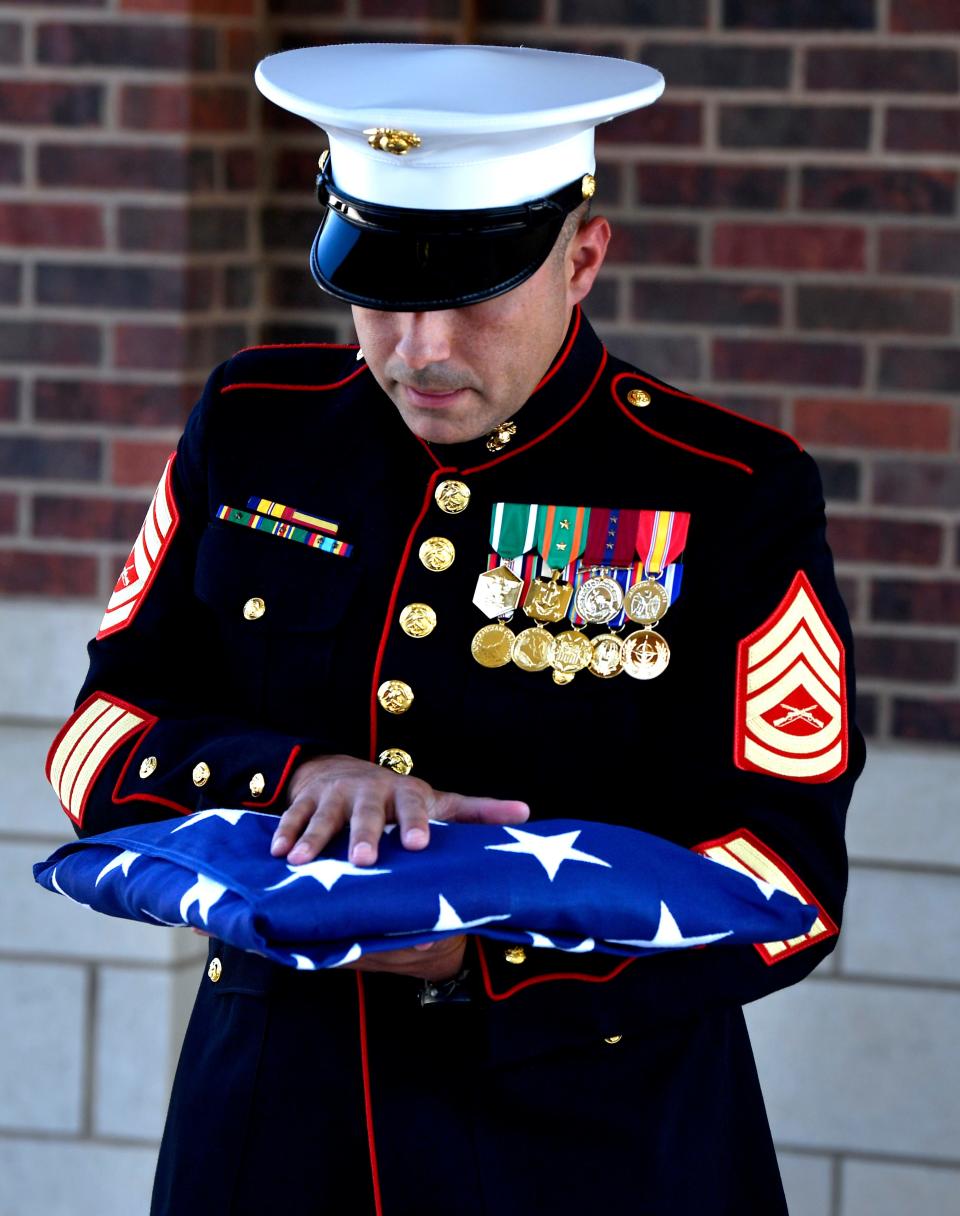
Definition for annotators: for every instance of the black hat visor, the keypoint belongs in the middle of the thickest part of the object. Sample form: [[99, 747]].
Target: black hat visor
[[403, 260]]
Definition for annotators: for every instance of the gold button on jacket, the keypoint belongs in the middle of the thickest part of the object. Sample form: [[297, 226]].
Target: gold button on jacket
[[452, 496], [397, 759], [437, 553], [395, 696], [515, 954], [254, 608], [258, 784], [639, 397], [215, 970], [418, 620], [201, 774], [148, 765]]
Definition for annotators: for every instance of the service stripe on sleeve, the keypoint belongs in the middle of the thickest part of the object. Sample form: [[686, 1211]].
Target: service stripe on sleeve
[[149, 550], [742, 851], [90, 737]]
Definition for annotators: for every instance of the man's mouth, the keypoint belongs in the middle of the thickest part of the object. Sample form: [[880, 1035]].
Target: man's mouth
[[431, 398]]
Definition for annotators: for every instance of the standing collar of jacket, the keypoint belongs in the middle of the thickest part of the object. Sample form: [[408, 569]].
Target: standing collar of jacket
[[562, 392]]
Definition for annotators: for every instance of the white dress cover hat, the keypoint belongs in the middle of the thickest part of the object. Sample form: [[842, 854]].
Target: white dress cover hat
[[451, 168]]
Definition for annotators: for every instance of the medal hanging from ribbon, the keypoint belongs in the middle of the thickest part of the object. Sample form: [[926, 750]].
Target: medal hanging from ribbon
[[660, 539], [586, 570], [510, 570]]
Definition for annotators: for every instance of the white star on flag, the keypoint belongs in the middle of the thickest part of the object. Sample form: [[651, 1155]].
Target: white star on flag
[[204, 892], [325, 870], [351, 956], [122, 861], [57, 887], [449, 919], [304, 963], [550, 851], [231, 817], [668, 934], [584, 947]]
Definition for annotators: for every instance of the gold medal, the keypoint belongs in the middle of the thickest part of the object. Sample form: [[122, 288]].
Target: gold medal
[[498, 591], [418, 620], [645, 654], [599, 599], [437, 553], [533, 649], [607, 658], [572, 652], [548, 599], [646, 602], [452, 496], [492, 645]]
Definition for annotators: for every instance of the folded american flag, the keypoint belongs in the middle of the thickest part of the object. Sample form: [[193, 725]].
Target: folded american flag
[[567, 884]]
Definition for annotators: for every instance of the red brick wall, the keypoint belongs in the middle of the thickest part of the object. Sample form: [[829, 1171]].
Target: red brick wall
[[787, 242]]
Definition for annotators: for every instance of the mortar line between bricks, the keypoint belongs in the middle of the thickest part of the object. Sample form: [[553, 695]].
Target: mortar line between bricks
[[868, 1155], [47, 1137], [89, 1050], [904, 983], [922, 868], [83, 961], [836, 1184]]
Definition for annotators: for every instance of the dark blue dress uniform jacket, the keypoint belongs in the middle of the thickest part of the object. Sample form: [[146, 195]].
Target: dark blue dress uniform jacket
[[567, 1081]]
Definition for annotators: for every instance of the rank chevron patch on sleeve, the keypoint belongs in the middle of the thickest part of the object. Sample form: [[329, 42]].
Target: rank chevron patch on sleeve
[[791, 713], [145, 557]]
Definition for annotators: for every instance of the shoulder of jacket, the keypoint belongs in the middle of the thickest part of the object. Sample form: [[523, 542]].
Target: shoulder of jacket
[[696, 425], [302, 367]]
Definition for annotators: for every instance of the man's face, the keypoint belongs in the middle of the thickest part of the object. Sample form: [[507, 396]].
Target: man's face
[[455, 373]]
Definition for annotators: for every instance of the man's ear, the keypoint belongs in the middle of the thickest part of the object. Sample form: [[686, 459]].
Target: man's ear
[[584, 257]]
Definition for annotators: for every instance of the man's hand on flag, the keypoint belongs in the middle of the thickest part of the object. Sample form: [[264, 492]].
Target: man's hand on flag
[[329, 792]]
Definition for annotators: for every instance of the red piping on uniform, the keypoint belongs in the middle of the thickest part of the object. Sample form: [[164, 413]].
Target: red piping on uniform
[[298, 388], [542, 979], [676, 392], [548, 375], [677, 443], [394, 593], [480, 468], [367, 1097], [808, 897], [552, 371], [301, 345], [280, 784]]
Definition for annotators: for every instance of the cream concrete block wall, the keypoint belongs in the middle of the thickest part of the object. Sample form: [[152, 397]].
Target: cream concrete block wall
[[858, 1064]]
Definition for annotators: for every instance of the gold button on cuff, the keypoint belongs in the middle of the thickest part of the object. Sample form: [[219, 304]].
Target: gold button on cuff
[[148, 765], [254, 608], [215, 970], [639, 397], [258, 783], [515, 954], [437, 553], [452, 497], [397, 759], [588, 185], [613, 1038], [395, 696], [201, 774], [417, 620]]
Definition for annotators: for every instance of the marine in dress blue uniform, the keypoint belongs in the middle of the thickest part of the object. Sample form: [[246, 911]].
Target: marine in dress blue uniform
[[232, 650]]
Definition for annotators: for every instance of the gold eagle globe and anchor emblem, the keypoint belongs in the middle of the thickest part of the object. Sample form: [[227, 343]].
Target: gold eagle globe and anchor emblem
[[390, 139]]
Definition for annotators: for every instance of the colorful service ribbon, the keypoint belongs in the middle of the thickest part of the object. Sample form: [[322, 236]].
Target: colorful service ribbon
[[285, 530], [276, 510], [661, 536]]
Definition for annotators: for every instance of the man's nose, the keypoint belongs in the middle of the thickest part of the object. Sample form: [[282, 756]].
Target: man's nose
[[425, 338]]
